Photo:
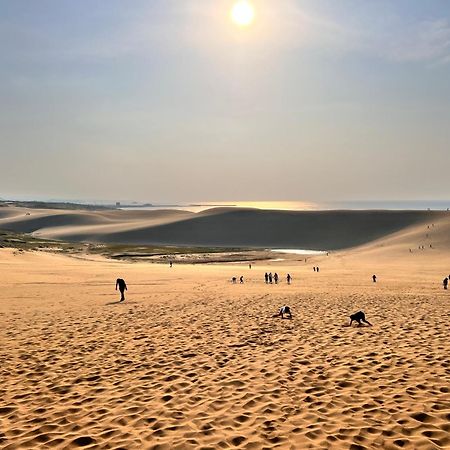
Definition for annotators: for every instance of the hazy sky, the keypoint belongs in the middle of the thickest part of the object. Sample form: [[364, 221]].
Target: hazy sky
[[168, 100]]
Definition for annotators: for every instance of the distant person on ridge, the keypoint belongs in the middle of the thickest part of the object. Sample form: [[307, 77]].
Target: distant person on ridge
[[445, 283], [359, 317], [122, 288], [374, 278]]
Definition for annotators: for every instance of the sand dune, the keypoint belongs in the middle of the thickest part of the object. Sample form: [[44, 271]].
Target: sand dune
[[220, 227], [191, 361]]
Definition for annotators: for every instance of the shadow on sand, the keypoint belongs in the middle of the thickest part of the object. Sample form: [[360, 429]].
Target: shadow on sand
[[120, 303]]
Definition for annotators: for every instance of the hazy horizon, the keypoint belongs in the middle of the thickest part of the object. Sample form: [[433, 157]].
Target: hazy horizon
[[172, 101], [198, 206]]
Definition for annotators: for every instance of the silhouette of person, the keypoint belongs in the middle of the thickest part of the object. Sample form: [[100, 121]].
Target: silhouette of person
[[314, 268], [288, 278], [233, 280], [359, 317], [445, 283], [284, 310], [241, 280], [170, 264], [249, 266], [270, 277], [374, 278], [122, 288], [275, 278], [266, 277], [317, 269]]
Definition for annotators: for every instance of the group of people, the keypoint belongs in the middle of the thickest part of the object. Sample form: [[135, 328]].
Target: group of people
[[358, 317], [270, 279], [241, 279], [316, 269]]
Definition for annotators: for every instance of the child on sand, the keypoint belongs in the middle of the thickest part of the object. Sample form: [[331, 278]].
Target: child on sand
[[284, 310], [122, 288], [359, 317]]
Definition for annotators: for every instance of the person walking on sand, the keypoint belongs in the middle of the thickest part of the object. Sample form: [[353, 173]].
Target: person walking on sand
[[288, 278], [241, 279], [270, 277], [275, 278], [266, 277], [170, 264], [284, 310], [359, 317], [249, 266], [445, 283], [374, 278], [314, 268], [120, 283]]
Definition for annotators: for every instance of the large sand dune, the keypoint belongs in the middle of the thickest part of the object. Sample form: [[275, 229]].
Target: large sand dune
[[191, 361], [218, 227]]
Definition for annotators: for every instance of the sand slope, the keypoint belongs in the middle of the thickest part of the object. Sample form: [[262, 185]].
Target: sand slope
[[219, 227], [191, 361]]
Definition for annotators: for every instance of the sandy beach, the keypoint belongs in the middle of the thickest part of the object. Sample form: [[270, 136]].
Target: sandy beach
[[190, 360]]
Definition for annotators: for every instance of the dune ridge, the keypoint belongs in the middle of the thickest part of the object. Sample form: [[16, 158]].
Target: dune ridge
[[226, 227]]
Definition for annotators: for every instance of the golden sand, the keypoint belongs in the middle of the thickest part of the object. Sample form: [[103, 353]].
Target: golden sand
[[191, 361]]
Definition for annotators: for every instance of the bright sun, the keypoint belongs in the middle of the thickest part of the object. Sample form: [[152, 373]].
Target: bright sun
[[243, 13]]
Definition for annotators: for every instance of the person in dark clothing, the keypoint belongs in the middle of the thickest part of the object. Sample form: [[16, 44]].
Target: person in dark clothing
[[314, 268], [233, 280], [359, 317], [288, 278], [445, 283], [284, 310], [241, 279], [275, 278], [266, 277], [374, 278], [270, 277], [122, 288], [317, 269]]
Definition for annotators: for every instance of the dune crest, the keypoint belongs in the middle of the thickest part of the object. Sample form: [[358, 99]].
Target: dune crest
[[223, 227]]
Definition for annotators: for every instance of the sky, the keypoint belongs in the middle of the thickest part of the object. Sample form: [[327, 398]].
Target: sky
[[170, 101]]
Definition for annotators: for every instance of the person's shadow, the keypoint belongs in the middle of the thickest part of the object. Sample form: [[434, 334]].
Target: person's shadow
[[118, 302]]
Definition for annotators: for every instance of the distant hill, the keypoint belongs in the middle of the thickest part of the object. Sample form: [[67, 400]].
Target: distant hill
[[218, 227]]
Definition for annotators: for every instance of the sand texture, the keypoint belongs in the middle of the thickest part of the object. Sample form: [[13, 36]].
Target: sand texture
[[191, 361]]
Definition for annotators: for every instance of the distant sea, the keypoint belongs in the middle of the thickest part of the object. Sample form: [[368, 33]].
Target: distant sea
[[307, 206]]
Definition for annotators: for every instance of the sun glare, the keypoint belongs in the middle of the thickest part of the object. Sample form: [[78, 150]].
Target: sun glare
[[243, 13]]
